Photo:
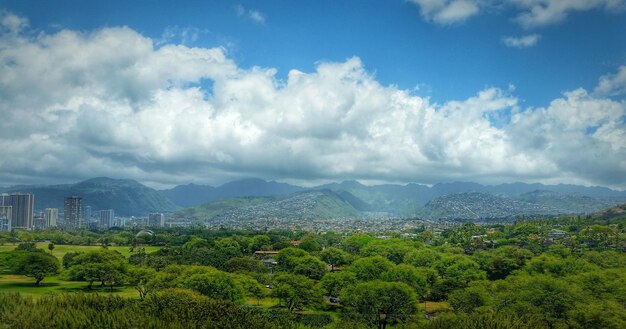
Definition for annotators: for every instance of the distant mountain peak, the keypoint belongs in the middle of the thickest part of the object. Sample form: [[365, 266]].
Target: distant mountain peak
[[352, 184]]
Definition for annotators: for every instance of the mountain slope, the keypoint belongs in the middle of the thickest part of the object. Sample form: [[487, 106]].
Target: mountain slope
[[192, 195], [613, 213], [301, 205], [127, 197], [565, 203], [189, 195], [480, 205]]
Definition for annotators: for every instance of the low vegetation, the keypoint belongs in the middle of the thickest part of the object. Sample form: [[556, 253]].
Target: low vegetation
[[557, 273]]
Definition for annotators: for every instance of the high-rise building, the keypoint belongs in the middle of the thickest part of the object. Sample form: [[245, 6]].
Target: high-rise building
[[72, 211], [156, 219], [5, 200], [23, 205], [52, 216], [119, 222], [106, 217], [87, 213], [39, 221], [5, 218]]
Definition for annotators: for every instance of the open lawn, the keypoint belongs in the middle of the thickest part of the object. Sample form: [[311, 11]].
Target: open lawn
[[53, 286], [266, 302], [434, 307], [60, 250]]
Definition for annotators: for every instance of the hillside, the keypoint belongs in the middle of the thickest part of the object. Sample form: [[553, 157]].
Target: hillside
[[565, 203], [255, 197], [302, 205], [192, 195], [479, 205], [127, 197], [616, 212]]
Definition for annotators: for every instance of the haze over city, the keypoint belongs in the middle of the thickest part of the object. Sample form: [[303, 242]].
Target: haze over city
[[313, 92]]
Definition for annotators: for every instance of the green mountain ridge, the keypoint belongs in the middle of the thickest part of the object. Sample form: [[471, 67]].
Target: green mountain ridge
[[126, 196], [301, 205]]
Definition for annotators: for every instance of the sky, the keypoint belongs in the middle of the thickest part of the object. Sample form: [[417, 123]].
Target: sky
[[308, 92]]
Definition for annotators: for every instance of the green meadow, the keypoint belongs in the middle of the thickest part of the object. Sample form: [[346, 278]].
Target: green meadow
[[54, 285], [60, 250]]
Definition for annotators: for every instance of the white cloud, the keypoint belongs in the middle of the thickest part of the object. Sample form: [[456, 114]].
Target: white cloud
[[251, 14], [257, 16], [11, 23], [447, 11], [182, 35], [528, 13], [110, 103], [521, 42], [535, 13], [612, 84]]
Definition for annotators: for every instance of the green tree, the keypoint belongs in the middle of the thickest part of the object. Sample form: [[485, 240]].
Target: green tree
[[355, 242], [50, 247], [310, 243], [37, 265], [500, 262], [455, 272], [334, 282], [140, 277], [245, 264], [370, 268], [260, 242], [218, 285], [381, 303], [469, 299], [102, 265], [296, 291], [334, 257], [393, 249], [311, 267], [409, 275], [287, 258], [251, 287], [330, 239], [425, 257], [68, 258], [27, 246]]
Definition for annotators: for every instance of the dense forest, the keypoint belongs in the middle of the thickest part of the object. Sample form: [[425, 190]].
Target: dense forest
[[556, 273]]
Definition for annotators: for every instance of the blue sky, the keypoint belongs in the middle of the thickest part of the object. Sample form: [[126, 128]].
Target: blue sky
[[506, 65], [449, 61]]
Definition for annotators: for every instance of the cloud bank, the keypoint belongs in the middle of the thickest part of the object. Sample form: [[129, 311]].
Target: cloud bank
[[528, 13], [447, 11], [111, 103], [521, 42]]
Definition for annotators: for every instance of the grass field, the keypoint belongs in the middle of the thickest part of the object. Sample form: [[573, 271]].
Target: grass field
[[53, 286], [60, 250], [434, 307]]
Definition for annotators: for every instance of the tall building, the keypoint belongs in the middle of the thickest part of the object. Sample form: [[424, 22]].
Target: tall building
[[5, 200], [156, 219], [23, 205], [52, 216], [87, 213], [72, 211], [119, 222], [39, 221], [5, 218], [106, 217]]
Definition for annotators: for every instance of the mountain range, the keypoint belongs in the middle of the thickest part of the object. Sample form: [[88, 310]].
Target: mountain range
[[259, 198], [126, 196], [459, 200]]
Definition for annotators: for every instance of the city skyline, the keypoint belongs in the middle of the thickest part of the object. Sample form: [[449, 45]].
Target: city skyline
[[309, 93]]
